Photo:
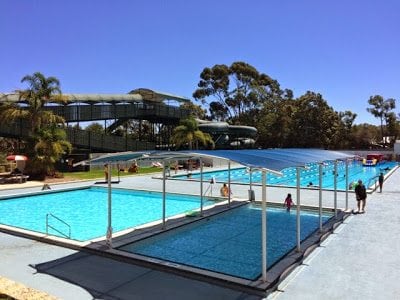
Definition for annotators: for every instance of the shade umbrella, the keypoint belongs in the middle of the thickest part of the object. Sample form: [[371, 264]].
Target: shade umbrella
[[17, 157]]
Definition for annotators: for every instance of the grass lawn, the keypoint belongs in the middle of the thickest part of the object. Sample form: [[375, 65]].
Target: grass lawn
[[99, 173]]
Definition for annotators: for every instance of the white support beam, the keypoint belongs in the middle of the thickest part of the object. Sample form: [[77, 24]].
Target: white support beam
[[109, 214], [264, 226], [298, 236]]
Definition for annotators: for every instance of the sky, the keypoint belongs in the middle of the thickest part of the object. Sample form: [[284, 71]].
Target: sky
[[345, 50]]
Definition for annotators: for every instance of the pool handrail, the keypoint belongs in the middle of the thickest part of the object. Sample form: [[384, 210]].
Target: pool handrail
[[375, 180], [57, 218]]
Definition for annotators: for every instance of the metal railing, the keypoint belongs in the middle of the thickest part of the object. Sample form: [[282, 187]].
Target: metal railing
[[77, 112], [83, 138], [55, 229], [374, 180]]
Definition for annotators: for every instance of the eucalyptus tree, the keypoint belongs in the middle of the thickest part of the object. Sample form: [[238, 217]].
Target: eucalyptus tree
[[232, 93], [347, 119], [381, 108], [274, 121], [392, 126], [314, 123], [196, 111], [188, 133], [364, 136]]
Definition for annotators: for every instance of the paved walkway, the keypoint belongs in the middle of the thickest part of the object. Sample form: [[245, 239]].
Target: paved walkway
[[69, 274], [360, 261]]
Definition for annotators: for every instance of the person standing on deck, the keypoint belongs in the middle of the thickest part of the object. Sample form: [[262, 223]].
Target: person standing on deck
[[361, 196], [380, 180]]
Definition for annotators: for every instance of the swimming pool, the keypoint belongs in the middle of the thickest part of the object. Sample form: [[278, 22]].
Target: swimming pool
[[356, 171], [85, 210], [229, 243]]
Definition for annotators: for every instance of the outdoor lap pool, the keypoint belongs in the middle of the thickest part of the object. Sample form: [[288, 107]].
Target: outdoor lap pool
[[356, 171], [85, 210], [229, 243]]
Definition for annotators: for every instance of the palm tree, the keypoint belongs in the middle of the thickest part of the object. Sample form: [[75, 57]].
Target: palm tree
[[188, 133], [41, 90], [40, 122], [50, 146]]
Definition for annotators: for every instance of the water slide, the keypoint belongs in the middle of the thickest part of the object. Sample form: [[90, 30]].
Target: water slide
[[229, 135]]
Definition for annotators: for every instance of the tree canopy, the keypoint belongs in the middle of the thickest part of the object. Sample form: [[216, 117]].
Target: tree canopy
[[234, 93], [239, 94], [46, 141], [382, 109]]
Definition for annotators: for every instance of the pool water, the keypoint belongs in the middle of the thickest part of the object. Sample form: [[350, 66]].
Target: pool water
[[229, 243], [85, 210], [356, 171]]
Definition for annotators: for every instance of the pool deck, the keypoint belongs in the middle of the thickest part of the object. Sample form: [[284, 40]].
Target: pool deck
[[359, 261]]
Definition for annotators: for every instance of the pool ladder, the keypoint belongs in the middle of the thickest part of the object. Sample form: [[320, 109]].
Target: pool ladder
[[55, 229]]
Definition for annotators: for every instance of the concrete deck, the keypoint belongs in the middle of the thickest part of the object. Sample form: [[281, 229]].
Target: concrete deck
[[359, 261]]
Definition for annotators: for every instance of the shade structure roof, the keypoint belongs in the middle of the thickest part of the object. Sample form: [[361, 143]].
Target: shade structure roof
[[269, 159]]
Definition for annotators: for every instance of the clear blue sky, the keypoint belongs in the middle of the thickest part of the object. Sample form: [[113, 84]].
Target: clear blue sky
[[345, 50]]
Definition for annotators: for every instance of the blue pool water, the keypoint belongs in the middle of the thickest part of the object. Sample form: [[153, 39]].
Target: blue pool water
[[85, 210], [356, 171], [229, 243]]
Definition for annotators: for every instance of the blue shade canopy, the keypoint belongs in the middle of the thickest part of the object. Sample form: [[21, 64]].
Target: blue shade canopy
[[269, 159]]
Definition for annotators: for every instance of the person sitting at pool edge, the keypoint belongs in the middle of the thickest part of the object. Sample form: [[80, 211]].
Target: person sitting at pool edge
[[134, 168], [225, 190], [106, 172]]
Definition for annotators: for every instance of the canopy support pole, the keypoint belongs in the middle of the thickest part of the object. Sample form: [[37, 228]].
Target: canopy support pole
[[347, 184], [264, 226], [298, 209], [335, 188], [251, 184], [109, 226], [229, 183], [201, 187], [320, 197], [163, 194]]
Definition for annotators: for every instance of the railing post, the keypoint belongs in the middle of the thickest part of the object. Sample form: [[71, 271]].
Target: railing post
[[298, 233], [47, 224], [335, 188]]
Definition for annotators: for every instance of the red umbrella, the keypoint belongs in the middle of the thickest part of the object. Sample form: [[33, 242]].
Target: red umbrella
[[16, 157]]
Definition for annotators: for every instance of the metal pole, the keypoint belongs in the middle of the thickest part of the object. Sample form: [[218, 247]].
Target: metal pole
[[335, 188], [320, 197], [163, 196], [201, 187], [109, 227], [347, 184], [229, 183], [264, 226], [251, 183], [118, 173], [298, 209]]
